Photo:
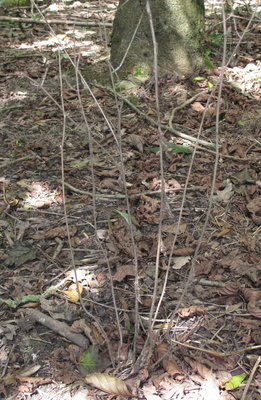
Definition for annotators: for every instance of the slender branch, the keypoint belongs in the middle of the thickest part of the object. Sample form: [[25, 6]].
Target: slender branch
[[251, 378], [59, 327], [155, 123], [52, 22]]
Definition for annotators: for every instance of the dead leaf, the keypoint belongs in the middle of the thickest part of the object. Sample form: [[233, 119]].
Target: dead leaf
[[183, 251], [149, 392], [72, 293], [136, 141], [108, 384], [110, 183], [168, 362], [59, 231], [254, 207], [179, 262], [190, 311], [197, 106], [173, 228], [229, 289], [26, 372], [148, 209], [123, 271], [223, 196]]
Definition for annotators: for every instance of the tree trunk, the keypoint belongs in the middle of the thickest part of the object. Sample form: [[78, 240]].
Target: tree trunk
[[179, 30]]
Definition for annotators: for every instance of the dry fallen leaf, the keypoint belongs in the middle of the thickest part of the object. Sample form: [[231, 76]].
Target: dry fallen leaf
[[108, 384], [73, 293], [123, 271], [223, 196], [179, 262], [190, 311], [136, 141], [59, 231], [168, 362], [254, 207]]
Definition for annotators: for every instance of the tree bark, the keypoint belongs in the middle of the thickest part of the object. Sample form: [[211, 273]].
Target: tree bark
[[179, 30]]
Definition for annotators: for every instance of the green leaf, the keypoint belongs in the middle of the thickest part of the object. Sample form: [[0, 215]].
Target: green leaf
[[198, 79], [217, 38], [208, 62], [235, 381], [177, 149], [92, 360], [88, 359], [155, 149], [210, 85], [242, 123], [125, 216]]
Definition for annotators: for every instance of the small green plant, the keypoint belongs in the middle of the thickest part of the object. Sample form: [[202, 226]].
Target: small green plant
[[208, 62], [133, 100], [235, 381], [141, 71], [201, 78], [217, 38], [125, 216], [242, 123]]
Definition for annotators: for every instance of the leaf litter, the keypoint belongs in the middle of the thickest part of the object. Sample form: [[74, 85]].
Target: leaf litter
[[213, 338]]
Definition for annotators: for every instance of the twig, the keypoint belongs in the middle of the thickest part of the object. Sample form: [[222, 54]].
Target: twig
[[59, 327], [191, 275], [51, 22], [17, 160], [216, 353], [251, 377], [186, 103], [155, 123], [71, 252], [123, 196], [7, 361]]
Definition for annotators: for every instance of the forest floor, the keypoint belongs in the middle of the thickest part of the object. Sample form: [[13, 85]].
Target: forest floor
[[64, 210]]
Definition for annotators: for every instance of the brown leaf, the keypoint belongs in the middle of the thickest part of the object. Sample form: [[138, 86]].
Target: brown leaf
[[179, 262], [72, 293], [123, 271], [183, 251], [113, 172], [108, 384], [254, 309], [171, 366], [168, 362], [197, 106], [254, 207], [202, 369], [204, 266], [190, 311], [149, 392], [148, 210], [136, 141], [111, 184], [229, 289], [60, 231], [172, 228], [251, 294]]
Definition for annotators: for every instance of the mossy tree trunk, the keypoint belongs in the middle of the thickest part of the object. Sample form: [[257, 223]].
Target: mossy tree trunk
[[179, 30]]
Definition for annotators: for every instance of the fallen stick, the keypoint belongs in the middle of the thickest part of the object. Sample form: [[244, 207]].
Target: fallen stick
[[53, 21], [59, 327], [155, 123]]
